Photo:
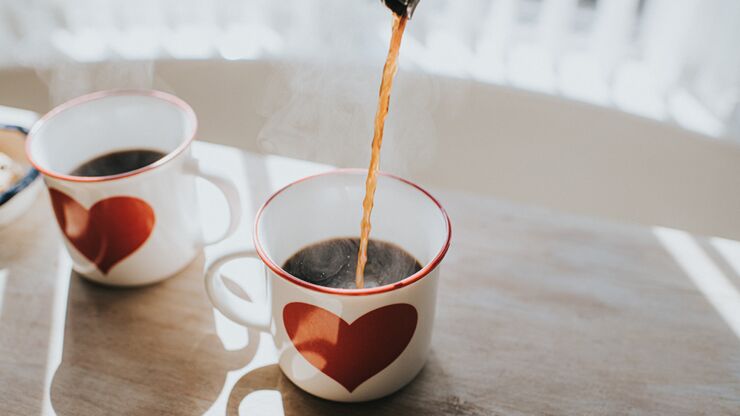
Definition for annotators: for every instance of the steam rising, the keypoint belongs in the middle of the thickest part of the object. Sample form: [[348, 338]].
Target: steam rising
[[321, 107], [320, 104], [324, 112], [67, 80]]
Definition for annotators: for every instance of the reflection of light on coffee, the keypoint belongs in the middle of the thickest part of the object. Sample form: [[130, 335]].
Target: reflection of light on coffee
[[704, 273], [56, 330]]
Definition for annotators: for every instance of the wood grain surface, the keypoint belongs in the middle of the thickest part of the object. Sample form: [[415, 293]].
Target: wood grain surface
[[539, 312]]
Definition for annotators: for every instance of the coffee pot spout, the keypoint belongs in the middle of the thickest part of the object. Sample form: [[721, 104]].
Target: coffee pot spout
[[402, 7]]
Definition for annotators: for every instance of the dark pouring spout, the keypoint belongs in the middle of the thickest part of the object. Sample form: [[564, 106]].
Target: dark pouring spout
[[403, 8]]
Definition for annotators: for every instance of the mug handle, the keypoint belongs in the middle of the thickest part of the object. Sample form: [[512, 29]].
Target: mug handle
[[254, 315], [230, 192]]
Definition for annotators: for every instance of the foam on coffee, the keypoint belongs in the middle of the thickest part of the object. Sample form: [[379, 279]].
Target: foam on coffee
[[331, 263]]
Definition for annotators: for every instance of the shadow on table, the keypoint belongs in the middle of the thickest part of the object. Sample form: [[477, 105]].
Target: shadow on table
[[150, 350], [429, 393]]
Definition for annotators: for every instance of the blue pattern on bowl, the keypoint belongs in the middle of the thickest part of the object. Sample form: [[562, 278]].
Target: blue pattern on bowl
[[27, 179]]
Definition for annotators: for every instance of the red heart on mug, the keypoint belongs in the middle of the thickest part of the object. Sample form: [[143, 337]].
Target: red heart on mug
[[109, 231], [350, 353]]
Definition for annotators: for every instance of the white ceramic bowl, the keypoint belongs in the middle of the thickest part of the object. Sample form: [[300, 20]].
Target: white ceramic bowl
[[18, 198]]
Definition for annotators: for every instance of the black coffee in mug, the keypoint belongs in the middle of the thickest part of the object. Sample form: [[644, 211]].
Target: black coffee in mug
[[118, 162], [333, 263]]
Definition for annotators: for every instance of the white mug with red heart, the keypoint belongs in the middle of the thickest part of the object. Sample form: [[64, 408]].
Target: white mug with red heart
[[135, 227], [343, 344]]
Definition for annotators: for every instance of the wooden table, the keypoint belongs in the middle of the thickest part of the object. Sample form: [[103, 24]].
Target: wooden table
[[539, 313]]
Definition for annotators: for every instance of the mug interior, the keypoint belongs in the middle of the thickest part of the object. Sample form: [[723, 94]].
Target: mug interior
[[109, 121], [329, 205]]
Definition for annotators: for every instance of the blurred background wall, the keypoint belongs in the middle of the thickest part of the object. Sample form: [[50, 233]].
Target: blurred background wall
[[625, 109], [676, 61]]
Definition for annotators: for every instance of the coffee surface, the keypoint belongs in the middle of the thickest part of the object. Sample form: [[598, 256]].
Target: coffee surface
[[118, 162], [332, 263]]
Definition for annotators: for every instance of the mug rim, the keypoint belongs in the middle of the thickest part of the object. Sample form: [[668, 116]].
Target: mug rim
[[428, 268], [98, 95]]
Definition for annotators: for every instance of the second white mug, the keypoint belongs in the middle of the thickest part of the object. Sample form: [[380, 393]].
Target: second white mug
[[136, 227]]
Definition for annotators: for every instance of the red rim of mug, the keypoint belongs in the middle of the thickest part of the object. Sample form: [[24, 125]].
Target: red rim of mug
[[169, 98], [352, 292]]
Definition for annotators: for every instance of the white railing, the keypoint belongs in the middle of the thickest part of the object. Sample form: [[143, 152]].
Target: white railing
[[671, 60]]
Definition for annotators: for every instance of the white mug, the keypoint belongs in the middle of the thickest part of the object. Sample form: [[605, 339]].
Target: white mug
[[344, 344], [137, 227]]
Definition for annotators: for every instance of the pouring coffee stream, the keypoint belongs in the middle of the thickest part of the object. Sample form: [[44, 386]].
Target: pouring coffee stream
[[402, 9]]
